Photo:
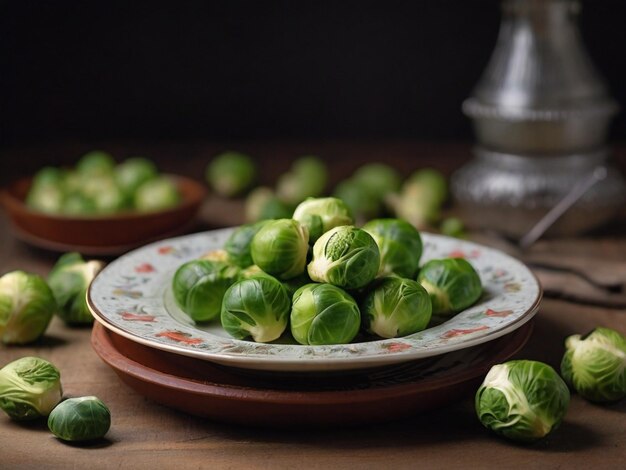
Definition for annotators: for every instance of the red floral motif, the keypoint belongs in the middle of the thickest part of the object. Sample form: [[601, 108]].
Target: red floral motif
[[496, 313], [179, 336], [165, 250], [460, 332], [395, 347], [137, 317], [461, 254], [499, 273], [145, 268]]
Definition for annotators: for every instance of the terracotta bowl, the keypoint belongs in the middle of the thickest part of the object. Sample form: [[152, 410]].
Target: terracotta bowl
[[112, 234]]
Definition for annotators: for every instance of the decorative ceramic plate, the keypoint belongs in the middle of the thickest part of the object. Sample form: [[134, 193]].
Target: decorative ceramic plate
[[253, 397], [132, 296]]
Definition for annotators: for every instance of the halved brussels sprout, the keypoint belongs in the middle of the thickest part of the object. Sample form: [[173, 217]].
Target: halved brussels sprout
[[319, 215], [156, 194], [26, 307], [263, 204], [280, 248], [400, 246], [452, 283], [345, 256], [595, 365], [230, 173], [257, 307], [69, 279], [80, 419], [238, 244], [307, 177], [132, 173], [396, 307], [199, 287], [324, 314], [522, 400], [30, 387]]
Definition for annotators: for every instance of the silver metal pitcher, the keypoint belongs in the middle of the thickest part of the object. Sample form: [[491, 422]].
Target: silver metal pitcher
[[541, 114]]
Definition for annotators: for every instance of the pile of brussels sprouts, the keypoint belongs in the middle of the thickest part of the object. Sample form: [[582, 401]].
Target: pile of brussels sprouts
[[30, 389], [374, 190], [28, 302], [98, 186], [322, 280], [526, 400]]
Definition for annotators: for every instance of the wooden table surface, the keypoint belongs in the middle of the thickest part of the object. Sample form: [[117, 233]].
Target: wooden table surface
[[146, 435]]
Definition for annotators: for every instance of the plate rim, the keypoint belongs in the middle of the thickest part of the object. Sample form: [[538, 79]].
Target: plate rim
[[312, 363]]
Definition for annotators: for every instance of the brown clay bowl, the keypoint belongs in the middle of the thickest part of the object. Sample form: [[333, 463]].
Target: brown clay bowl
[[112, 234], [240, 396]]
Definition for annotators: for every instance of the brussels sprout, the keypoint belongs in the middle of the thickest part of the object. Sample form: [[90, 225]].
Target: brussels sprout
[[230, 173], [363, 204], [307, 177], [280, 248], [96, 163], [420, 200], [595, 365], [324, 314], [522, 400], [238, 244], [48, 176], [452, 283], [377, 178], [199, 287], [452, 227], [26, 307], [69, 279], [396, 307], [257, 307], [80, 419], [78, 204], [30, 387], [156, 194], [345, 256], [106, 196], [46, 198], [252, 271], [133, 172], [263, 204], [400, 246], [319, 215]]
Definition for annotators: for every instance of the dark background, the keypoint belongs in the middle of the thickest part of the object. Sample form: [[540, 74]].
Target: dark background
[[219, 70]]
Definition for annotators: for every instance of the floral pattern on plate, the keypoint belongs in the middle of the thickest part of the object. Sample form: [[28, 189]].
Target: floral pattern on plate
[[132, 296]]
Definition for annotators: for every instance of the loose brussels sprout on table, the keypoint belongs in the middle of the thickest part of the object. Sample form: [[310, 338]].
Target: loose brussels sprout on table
[[80, 419], [280, 248], [324, 314], [238, 245], [319, 215], [30, 388], [453, 285], [263, 204], [199, 286], [345, 256], [26, 307], [257, 307], [69, 279], [307, 177], [595, 365], [522, 400], [230, 173], [400, 246], [396, 307]]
